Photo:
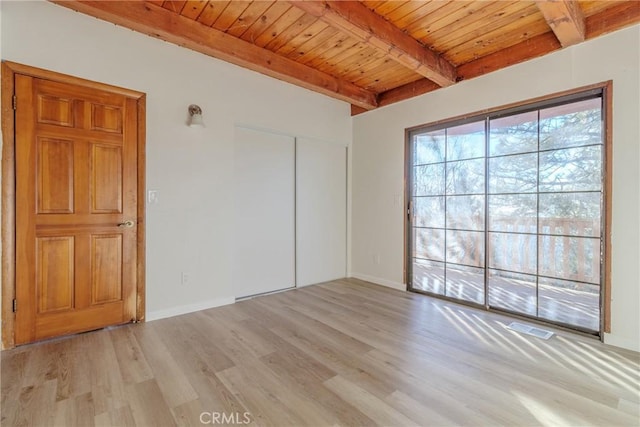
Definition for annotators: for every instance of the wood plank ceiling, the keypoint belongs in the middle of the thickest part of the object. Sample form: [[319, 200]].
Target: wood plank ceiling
[[370, 53]]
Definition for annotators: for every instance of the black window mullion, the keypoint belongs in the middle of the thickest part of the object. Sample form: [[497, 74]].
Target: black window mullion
[[487, 128], [538, 226], [444, 192]]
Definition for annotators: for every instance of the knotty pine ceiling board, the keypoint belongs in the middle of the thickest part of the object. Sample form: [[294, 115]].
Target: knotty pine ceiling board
[[590, 8], [211, 12], [367, 57], [265, 21]]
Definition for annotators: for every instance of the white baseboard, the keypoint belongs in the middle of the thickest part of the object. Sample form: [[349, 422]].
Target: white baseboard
[[189, 308], [622, 342], [378, 281]]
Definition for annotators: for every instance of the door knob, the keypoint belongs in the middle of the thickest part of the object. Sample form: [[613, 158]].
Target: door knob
[[127, 224]]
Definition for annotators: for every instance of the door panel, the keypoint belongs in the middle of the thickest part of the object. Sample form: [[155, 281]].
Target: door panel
[[55, 273], [106, 268], [321, 206], [106, 179], [55, 110], [264, 212], [54, 165], [76, 181], [106, 118]]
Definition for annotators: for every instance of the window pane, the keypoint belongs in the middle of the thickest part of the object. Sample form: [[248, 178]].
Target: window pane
[[465, 283], [428, 276], [573, 169], [575, 214], [429, 147], [570, 125], [572, 258], [429, 180], [512, 291], [429, 244], [514, 134], [465, 177], [571, 303], [515, 252], [513, 174], [465, 247], [465, 141], [428, 212], [465, 212], [515, 213]]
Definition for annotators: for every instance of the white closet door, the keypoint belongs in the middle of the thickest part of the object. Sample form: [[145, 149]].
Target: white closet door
[[321, 211], [264, 253]]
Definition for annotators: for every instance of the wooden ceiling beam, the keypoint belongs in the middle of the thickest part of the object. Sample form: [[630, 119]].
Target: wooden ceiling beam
[[565, 19], [611, 19], [356, 20], [406, 91], [533, 48], [157, 22]]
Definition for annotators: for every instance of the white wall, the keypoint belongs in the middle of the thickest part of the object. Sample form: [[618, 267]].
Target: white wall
[[378, 160], [190, 229]]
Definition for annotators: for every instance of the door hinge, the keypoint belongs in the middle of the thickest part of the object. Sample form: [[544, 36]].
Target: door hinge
[[15, 305], [15, 102]]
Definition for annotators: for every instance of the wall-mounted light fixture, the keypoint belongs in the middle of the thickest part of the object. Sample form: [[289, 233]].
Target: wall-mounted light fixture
[[195, 116]]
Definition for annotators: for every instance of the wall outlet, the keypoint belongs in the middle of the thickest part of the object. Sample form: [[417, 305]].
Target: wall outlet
[[184, 278], [376, 259]]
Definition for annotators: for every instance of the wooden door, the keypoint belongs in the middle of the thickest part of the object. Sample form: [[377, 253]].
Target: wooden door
[[76, 208]]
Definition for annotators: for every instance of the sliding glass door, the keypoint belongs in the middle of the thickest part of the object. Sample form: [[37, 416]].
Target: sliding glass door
[[506, 210], [448, 198]]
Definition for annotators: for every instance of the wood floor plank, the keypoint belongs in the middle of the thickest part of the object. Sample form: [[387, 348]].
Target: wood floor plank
[[75, 411], [203, 353], [36, 405], [12, 370], [107, 388], [171, 380], [233, 341], [188, 414], [348, 365], [119, 417], [73, 366], [148, 406], [345, 352], [367, 403], [254, 342], [260, 398], [199, 368], [131, 360], [296, 404], [417, 411]]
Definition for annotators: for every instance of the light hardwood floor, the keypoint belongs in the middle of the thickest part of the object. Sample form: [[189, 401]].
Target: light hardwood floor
[[341, 353]]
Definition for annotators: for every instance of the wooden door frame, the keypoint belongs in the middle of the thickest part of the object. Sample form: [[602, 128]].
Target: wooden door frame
[[8, 196]]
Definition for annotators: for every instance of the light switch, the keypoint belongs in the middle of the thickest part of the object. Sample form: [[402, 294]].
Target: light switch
[[152, 197]]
